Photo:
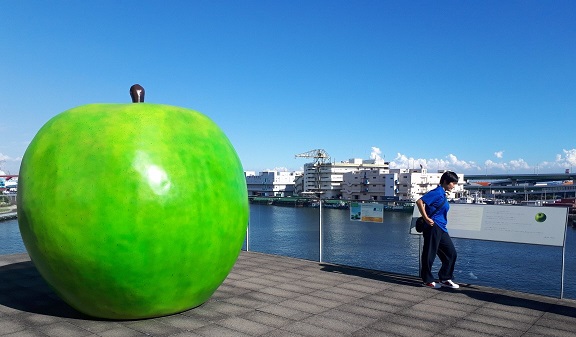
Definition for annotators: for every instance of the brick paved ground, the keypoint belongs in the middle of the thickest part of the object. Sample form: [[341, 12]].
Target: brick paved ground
[[267, 295]]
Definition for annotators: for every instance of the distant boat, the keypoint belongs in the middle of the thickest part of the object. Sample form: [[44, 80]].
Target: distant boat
[[339, 204], [471, 199], [531, 203], [464, 200]]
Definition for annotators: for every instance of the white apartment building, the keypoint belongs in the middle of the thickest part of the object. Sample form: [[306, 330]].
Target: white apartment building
[[271, 183], [370, 185], [393, 184], [328, 177]]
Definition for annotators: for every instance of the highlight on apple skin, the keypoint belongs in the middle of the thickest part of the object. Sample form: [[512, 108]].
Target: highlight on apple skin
[[134, 210]]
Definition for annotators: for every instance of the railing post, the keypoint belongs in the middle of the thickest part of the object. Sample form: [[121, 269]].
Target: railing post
[[320, 209], [248, 236]]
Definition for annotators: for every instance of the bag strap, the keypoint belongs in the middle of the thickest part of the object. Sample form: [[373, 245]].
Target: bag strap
[[439, 208]]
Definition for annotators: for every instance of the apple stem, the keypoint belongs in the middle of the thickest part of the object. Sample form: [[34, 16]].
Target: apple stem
[[137, 93]]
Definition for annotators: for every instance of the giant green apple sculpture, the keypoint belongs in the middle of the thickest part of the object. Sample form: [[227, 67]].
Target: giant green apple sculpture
[[132, 210]]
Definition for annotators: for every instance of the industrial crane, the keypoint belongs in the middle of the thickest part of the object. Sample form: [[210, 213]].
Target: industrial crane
[[320, 157]]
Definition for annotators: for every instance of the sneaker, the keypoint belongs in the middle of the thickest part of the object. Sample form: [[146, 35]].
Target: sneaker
[[449, 284], [432, 285]]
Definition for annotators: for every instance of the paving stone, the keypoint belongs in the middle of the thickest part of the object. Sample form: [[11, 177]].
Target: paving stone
[[25, 333], [285, 312], [64, 329], [279, 292], [487, 328], [215, 330], [282, 333], [303, 306], [459, 332], [442, 304], [367, 289], [183, 322], [186, 334], [9, 325], [509, 315], [333, 324], [311, 330], [330, 295], [502, 322], [296, 288], [268, 319], [348, 317], [558, 324], [539, 330], [263, 297], [369, 332], [319, 301], [246, 301], [246, 326], [364, 311], [416, 324], [391, 327], [122, 331]]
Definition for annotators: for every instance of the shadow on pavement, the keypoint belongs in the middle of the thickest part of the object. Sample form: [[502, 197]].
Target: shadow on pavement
[[373, 274], [507, 298], [22, 288]]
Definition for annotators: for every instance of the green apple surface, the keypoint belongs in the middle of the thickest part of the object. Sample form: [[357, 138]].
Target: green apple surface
[[540, 217], [132, 210]]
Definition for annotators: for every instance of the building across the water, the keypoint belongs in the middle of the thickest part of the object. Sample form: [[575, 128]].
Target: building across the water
[[327, 178], [373, 180], [354, 179], [271, 183], [394, 184]]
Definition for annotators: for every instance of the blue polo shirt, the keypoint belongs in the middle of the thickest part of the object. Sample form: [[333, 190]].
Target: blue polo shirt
[[435, 199]]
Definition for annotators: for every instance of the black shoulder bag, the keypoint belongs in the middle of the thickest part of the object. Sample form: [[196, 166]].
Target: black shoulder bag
[[420, 222]]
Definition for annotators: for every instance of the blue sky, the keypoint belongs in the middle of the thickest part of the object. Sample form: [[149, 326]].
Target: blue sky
[[471, 86]]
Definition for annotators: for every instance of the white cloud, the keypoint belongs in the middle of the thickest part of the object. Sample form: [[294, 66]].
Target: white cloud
[[376, 153], [519, 164], [512, 165], [570, 157], [402, 161], [560, 163], [489, 165], [450, 162], [9, 165]]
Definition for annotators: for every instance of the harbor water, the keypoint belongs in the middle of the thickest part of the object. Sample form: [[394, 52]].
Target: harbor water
[[389, 247]]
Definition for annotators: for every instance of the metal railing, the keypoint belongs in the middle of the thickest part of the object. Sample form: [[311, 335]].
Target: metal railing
[[388, 247]]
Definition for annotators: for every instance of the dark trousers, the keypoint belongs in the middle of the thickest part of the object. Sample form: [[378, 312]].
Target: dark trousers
[[437, 242]]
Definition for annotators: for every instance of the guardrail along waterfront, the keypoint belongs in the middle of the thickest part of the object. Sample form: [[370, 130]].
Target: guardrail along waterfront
[[388, 246]]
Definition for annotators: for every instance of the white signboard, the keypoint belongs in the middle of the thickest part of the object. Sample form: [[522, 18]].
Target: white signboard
[[368, 212], [521, 224]]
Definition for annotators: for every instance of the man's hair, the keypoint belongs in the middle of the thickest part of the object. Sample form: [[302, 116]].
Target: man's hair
[[448, 177]]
